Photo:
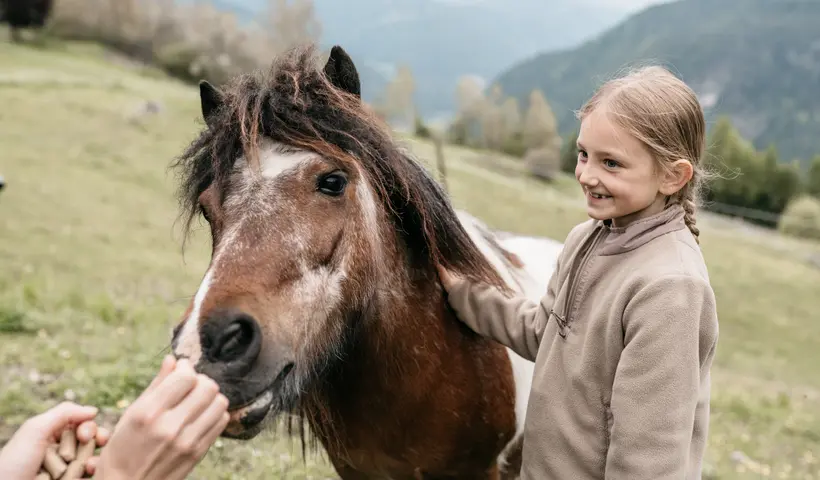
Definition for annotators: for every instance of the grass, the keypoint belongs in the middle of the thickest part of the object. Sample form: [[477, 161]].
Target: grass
[[93, 276]]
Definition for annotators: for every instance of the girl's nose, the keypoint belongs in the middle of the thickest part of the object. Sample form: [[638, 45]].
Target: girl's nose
[[587, 176]]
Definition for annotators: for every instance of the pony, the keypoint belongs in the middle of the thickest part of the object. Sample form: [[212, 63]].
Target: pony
[[20, 14], [321, 301]]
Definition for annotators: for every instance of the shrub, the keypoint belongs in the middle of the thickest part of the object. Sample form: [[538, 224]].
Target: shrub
[[801, 218], [543, 163]]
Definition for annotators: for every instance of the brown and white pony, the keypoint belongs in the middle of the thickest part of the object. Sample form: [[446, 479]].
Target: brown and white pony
[[322, 300]]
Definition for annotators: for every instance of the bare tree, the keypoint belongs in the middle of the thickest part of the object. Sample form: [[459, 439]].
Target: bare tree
[[291, 23], [541, 138], [396, 101], [470, 103], [540, 125]]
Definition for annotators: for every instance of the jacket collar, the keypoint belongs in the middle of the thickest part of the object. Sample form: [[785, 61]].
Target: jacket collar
[[640, 232]]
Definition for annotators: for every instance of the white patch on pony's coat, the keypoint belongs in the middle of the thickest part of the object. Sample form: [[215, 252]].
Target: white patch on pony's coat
[[188, 344], [370, 211], [274, 161], [539, 255], [522, 375]]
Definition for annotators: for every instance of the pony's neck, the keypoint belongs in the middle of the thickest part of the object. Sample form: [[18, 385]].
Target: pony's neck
[[406, 323]]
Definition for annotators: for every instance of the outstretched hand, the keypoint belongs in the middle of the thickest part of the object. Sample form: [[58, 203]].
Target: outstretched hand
[[24, 454], [168, 429]]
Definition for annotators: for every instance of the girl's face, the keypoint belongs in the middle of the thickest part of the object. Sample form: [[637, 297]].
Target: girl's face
[[617, 172]]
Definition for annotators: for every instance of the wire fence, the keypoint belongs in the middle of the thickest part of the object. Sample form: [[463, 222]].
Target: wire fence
[[758, 217]]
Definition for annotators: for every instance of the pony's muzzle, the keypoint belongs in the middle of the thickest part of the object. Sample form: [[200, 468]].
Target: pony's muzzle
[[231, 339]]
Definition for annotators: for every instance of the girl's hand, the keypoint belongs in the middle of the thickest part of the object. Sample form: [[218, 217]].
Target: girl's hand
[[448, 280], [24, 454], [168, 429]]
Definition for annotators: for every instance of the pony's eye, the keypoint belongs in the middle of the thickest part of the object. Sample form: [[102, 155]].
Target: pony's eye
[[332, 184], [204, 212]]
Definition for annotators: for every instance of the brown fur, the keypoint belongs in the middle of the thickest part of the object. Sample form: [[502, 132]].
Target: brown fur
[[390, 383]]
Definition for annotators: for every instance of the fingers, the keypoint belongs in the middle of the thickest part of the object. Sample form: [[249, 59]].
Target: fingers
[[86, 431], [173, 388], [200, 432], [168, 365], [91, 465], [191, 443], [197, 400], [447, 279], [51, 423], [210, 437], [103, 435], [90, 430]]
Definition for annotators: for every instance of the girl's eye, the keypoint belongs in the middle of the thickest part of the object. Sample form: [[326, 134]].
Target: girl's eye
[[582, 154], [611, 163]]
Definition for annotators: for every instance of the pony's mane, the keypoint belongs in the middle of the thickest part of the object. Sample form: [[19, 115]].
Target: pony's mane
[[294, 103]]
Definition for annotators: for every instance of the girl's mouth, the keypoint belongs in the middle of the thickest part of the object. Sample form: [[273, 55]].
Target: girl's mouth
[[598, 196]]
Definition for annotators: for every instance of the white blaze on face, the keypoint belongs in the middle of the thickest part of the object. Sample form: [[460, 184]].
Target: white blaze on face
[[188, 344]]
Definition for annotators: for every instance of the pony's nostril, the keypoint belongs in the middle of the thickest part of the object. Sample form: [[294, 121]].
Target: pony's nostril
[[236, 341]]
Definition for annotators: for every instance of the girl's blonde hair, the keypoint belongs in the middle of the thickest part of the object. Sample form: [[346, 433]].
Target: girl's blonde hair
[[661, 111]]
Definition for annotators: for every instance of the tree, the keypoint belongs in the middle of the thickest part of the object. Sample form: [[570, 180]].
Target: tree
[[492, 120], [291, 23], [470, 103], [397, 99], [540, 125], [735, 162], [776, 183], [569, 153], [541, 138], [813, 178]]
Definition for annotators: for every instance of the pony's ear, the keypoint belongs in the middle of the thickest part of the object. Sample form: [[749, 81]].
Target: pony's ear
[[211, 99], [341, 71]]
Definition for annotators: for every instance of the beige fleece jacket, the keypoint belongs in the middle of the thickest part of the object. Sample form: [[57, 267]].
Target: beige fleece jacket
[[623, 342]]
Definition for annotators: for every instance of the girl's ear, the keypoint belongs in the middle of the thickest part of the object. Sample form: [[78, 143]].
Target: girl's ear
[[679, 174]]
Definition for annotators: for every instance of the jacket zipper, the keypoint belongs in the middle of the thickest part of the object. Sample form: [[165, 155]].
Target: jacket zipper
[[575, 275]]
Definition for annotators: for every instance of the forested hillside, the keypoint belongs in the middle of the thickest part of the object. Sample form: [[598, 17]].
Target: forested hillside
[[755, 61]]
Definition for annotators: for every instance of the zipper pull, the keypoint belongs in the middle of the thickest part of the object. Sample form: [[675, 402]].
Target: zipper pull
[[562, 324]]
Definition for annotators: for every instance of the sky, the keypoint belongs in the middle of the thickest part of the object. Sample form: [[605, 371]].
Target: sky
[[627, 5]]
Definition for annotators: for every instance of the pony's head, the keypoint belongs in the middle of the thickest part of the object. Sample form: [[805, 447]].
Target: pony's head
[[318, 221]]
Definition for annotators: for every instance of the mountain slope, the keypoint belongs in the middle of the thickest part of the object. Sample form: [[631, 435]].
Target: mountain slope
[[757, 61], [443, 39]]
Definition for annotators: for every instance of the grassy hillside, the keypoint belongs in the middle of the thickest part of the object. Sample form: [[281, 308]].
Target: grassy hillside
[[757, 61], [93, 277]]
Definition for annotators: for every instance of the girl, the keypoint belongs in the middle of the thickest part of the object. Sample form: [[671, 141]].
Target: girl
[[624, 338]]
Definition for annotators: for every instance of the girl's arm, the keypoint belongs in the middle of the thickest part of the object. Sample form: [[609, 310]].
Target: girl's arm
[[516, 322], [660, 395]]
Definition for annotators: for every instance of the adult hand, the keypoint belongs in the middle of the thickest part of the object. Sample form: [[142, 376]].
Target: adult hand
[[168, 429], [24, 454]]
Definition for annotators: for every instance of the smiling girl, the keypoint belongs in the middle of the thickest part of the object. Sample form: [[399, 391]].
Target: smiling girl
[[624, 338]]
